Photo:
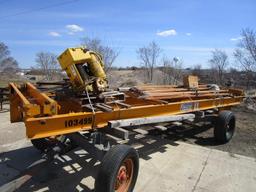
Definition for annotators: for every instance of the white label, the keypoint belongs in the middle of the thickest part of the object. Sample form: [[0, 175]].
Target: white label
[[189, 106]]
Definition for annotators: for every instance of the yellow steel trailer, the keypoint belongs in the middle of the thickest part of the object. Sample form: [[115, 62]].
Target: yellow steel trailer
[[43, 116], [81, 110]]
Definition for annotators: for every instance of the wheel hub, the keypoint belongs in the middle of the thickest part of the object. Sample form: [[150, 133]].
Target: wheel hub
[[124, 176]]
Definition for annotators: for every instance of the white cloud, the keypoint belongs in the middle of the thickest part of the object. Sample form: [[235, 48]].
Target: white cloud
[[72, 29], [236, 39], [188, 34], [167, 33], [54, 34]]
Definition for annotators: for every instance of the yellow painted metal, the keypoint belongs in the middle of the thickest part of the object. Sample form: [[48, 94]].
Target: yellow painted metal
[[72, 58], [49, 106], [96, 65], [20, 107], [27, 101], [68, 123], [15, 89]]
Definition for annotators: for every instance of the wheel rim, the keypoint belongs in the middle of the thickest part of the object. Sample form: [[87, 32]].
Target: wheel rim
[[124, 176]]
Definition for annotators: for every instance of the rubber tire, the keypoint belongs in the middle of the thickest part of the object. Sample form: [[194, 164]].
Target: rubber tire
[[224, 126], [105, 181]]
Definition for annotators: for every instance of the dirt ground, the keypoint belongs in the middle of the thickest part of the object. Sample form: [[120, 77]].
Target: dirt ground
[[243, 142]]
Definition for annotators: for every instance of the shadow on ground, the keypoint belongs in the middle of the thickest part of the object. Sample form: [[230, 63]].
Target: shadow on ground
[[76, 171], [4, 110]]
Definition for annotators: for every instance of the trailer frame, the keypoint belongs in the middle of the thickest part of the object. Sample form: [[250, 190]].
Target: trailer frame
[[97, 131]]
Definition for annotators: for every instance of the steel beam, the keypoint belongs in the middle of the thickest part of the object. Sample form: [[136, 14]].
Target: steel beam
[[149, 120]]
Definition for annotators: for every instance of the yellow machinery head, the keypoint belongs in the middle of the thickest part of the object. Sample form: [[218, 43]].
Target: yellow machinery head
[[84, 68]]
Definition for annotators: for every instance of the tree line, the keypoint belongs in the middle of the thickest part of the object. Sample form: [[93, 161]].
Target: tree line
[[8, 64], [245, 58], [151, 57], [244, 55]]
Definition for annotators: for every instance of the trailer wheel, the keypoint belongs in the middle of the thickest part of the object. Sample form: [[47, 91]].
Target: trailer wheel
[[43, 144], [224, 127], [118, 170]]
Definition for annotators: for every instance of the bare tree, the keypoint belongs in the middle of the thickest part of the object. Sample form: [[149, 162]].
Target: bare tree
[[172, 70], [108, 53], [47, 62], [219, 62], [7, 63], [234, 77], [166, 69], [176, 72], [148, 56], [4, 51], [248, 43], [197, 70], [245, 55]]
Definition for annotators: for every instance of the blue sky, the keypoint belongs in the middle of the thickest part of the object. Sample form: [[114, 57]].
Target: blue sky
[[188, 29]]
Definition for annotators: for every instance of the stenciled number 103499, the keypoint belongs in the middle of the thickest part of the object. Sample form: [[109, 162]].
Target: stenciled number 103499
[[76, 122]]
